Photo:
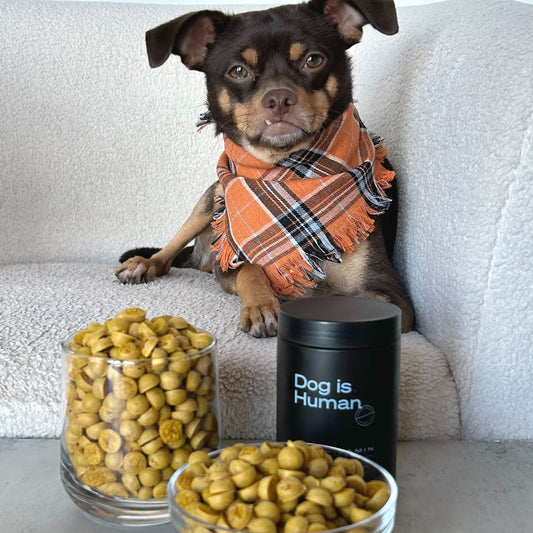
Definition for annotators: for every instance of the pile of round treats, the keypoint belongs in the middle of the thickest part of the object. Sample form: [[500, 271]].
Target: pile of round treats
[[140, 397], [277, 488]]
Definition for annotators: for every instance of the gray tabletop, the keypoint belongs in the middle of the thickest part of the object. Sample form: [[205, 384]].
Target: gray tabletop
[[448, 487]]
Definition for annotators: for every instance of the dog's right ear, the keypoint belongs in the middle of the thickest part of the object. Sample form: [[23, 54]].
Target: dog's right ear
[[188, 36]]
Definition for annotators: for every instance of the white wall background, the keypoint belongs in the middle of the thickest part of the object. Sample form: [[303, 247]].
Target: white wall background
[[398, 3], [215, 2]]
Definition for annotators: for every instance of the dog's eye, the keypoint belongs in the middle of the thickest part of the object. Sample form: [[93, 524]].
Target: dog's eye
[[238, 72], [313, 60]]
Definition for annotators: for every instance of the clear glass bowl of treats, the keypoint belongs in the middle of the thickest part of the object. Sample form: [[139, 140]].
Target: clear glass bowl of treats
[[291, 487], [140, 395]]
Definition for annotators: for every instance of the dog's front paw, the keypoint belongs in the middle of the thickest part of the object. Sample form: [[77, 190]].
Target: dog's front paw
[[139, 270], [261, 318]]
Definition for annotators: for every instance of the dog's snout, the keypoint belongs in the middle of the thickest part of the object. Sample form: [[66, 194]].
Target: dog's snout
[[279, 101]]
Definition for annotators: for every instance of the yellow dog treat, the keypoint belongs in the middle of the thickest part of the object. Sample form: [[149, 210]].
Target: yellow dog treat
[[140, 395], [307, 491]]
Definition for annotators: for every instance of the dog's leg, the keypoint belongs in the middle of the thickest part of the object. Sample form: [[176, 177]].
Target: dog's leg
[[141, 270], [260, 305]]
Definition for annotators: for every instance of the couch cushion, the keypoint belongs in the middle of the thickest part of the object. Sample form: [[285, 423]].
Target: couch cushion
[[41, 304]]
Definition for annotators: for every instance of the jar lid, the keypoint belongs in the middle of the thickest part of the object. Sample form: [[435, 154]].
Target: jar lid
[[339, 322]]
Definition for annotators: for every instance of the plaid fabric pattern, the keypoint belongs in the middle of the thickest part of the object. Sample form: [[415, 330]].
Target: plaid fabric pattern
[[310, 207]]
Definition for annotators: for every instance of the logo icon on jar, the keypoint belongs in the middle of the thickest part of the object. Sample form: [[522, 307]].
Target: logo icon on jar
[[364, 416]]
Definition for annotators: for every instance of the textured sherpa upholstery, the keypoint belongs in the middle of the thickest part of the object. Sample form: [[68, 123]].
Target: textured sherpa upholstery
[[457, 112], [48, 301], [99, 153]]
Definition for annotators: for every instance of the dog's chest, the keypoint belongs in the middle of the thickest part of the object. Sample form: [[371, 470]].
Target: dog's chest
[[347, 277]]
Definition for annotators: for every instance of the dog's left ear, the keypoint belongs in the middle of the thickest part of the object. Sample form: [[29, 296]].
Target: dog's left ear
[[349, 16]]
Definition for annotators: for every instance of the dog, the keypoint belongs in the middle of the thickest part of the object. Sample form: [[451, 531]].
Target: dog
[[276, 79]]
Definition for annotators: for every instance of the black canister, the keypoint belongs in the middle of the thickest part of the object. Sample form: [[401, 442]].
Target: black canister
[[338, 366]]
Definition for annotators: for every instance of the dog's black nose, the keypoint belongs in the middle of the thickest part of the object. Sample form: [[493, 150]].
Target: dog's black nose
[[279, 101]]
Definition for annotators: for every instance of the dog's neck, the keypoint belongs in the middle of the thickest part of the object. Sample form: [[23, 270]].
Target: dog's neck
[[273, 156]]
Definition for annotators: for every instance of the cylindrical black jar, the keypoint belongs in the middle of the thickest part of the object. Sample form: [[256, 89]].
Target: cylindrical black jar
[[338, 374]]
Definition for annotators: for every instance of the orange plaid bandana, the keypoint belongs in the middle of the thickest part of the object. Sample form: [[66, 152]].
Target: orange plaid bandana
[[310, 207]]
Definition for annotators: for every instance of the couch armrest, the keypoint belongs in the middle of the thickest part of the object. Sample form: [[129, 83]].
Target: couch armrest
[[451, 94]]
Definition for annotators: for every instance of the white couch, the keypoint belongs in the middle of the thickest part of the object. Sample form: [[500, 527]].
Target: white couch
[[99, 153]]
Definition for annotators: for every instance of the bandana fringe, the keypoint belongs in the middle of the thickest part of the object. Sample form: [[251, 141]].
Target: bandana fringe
[[293, 280], [359, 231], [226, 255]]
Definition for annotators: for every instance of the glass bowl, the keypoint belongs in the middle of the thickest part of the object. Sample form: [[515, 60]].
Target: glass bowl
[[382, 521], [130, 424]]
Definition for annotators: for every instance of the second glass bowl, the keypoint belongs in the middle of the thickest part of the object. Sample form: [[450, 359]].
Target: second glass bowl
[[315, 513]]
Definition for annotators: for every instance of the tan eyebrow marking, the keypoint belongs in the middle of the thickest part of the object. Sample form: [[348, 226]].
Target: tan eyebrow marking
[[297, 50], [250, 56], [224, 101], [332, 85]]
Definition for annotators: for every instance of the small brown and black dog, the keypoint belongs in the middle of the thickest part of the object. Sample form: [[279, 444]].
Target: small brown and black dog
[[275, 79]]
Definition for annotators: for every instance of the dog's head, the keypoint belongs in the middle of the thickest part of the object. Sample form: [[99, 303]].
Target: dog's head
[[274, 78]]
